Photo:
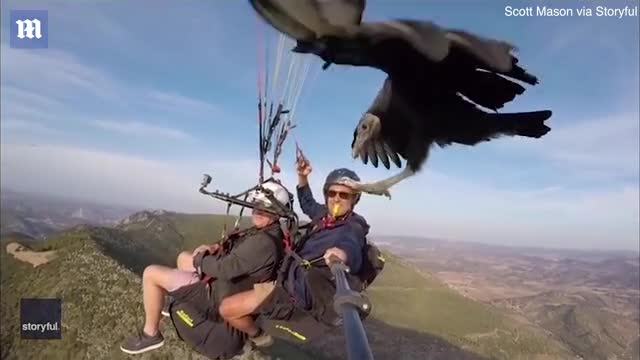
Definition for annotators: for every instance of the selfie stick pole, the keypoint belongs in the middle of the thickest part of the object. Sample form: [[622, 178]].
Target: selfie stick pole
[[349, 304]]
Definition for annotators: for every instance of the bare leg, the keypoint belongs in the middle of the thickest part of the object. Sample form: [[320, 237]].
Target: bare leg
[[156, 281], [153, 299], [236, 310], [382, 187], [185, 261]]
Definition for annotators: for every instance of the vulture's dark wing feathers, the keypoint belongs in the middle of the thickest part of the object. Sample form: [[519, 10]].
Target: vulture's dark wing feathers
[[432, 59], [459, 121], [412, 122], [403, 48], [389, 146], [413, 38], [379, 150], [391, 46], [488, 89], [305, 20], [433, 42]]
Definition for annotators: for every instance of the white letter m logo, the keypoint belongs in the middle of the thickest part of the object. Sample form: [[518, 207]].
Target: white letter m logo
[[27, 27]]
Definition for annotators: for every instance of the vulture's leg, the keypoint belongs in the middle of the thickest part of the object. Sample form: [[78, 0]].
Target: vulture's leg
[[382, 187]]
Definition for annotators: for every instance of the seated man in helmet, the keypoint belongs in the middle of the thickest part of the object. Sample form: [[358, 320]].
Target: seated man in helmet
[[336, 230], [251, 258]]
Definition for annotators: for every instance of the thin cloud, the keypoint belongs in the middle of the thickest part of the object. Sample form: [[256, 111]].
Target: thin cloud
[[171, 101], [432, 204], [605, 147], [140, 129], [38, 88], [436, 205], [13, 94], [112, 177], [62, 74], [55, 72], [22, 125]]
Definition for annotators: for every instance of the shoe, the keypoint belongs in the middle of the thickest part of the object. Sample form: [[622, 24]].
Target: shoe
[[262, 339], [142, 342], [165, 309]]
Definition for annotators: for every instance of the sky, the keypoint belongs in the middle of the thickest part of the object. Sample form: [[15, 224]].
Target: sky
[[131, 103]]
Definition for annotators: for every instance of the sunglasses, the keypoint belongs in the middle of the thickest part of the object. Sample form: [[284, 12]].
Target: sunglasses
[[343, 195]]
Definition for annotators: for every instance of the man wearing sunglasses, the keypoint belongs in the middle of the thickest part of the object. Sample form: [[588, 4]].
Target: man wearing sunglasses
[[336, 230], [343, 242]]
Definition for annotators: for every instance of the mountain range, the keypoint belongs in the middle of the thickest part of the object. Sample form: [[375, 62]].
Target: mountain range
[[39, 215], [434, 300], [589, 300]]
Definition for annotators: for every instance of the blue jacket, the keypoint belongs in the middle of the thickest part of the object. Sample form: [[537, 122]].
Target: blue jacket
[[349, 237]]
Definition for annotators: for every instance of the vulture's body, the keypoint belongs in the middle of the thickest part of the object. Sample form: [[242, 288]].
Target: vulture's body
[[409, 126], [438, 80]]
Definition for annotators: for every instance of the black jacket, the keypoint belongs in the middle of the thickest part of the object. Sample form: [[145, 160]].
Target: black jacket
[[251, 259]]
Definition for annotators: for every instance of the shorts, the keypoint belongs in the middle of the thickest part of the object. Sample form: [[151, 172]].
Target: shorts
[[274, 300], [198, 324], [180, 278]]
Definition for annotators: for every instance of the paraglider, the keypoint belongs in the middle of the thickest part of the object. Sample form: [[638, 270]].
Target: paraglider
[[438, 80]]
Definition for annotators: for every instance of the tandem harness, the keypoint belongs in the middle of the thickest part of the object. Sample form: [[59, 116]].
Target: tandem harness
[[227, 245], [292, 258], [280, 316], [319, 275]]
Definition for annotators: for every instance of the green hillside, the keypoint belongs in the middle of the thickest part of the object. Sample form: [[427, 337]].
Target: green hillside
[[588, 330], [97, 275], [166, 234], [404, 297]]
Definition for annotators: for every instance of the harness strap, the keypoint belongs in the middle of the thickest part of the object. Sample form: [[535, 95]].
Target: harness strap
[[287, 240], [291, 255], [229, 239]]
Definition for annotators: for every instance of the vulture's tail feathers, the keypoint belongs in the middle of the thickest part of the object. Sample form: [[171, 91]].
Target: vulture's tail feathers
[[528, 124], [490, 90]]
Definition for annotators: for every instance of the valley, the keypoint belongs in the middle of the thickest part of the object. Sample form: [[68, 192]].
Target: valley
[[589, 300]]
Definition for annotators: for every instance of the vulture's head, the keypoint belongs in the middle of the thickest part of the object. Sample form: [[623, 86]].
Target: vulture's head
[[368, 129]]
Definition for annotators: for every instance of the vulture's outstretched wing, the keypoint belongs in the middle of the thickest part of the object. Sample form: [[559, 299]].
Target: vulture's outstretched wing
[[305, 20], [401, 46], [496, 54]]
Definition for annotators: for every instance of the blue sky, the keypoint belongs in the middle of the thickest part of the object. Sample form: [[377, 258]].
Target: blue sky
[[133, 101]]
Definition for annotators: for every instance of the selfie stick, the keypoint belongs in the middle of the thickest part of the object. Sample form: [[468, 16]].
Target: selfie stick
[[349, 304]]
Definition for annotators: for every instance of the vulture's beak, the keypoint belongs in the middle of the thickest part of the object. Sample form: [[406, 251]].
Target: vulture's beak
[[357, 147]]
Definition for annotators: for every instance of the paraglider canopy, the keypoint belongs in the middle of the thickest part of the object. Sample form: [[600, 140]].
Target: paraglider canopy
[[282, 75], [281, 79]]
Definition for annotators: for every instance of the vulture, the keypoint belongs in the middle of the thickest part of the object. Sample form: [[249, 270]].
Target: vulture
[[443, 87], [309, 19]]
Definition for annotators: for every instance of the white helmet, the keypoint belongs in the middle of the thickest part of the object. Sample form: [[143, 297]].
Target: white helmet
[[280, 193]]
